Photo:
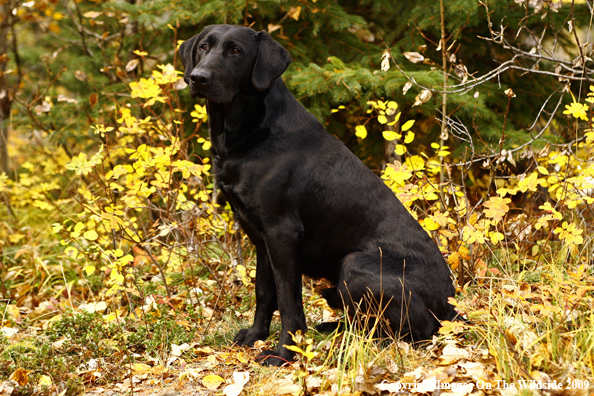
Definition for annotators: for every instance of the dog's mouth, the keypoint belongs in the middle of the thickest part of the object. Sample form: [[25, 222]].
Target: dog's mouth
[[197, 94], [216, 96]]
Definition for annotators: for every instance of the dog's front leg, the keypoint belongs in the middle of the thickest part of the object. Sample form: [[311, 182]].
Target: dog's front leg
[[282, 251], [266, 303]]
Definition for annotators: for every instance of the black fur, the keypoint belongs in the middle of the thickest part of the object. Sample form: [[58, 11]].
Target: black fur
[[308, 204]]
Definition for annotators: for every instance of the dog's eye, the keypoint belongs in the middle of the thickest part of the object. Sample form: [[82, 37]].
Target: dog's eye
[[204, 47], [235, 51]]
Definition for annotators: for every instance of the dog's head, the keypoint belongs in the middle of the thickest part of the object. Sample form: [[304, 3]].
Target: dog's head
[[224, 60]]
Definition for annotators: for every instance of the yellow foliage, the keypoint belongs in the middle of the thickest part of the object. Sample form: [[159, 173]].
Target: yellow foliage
[[361, 131], [496, 208], [147, 88], [578, 110]]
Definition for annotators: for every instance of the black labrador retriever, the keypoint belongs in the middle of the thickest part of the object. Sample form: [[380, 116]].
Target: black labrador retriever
[[308, 204]]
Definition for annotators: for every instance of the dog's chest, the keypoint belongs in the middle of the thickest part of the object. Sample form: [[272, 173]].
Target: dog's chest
[[235, 185]]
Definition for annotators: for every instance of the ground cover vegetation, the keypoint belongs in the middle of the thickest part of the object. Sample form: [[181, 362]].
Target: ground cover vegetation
[[120, 273]]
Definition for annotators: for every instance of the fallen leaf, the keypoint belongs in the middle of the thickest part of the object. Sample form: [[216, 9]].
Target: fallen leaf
[[94, 307], [458, 389], [392, 387], [44, 380], [212, 381], [9, 332], [20, 376], [451, 354], [140, 368], [7, 387], [177, 350], [427, 386], [473, 370], [190, 373], [206, 350], [285, 387]]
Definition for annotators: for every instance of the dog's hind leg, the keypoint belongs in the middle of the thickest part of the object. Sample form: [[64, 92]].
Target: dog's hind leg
[[378, 286]]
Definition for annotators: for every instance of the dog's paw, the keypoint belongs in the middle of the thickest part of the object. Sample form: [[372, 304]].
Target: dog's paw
[[329, 327], [247, 337], [272, 358]]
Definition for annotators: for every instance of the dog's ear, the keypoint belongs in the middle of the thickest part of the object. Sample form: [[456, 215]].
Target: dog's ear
[[187, 52], [273, 59]]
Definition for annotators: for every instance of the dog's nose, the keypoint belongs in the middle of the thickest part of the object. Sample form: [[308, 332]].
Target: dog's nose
[[200, 77]]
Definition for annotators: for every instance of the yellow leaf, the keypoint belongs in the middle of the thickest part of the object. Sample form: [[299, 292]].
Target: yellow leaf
[[430, 225], [16, 237], [382, 119], [448, 327], [529, 183], [407, 125], [390, 135], [400, 149], [54, 28], [454, 261], [89, 269], [543, 170], [409, 137], [295, 349], [496, 208], [140, 368], [212, 381], [44, 380], [396, 118], [20, 376], [464, 252], [496, 237], [415, 163], [294, 12], [361, 131], [578, 110], [504, 191], [206, 146], [71, 251], [91, 235]]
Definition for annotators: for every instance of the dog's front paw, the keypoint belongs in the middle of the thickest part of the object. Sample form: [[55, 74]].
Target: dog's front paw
[[272, 358], [249, 336]]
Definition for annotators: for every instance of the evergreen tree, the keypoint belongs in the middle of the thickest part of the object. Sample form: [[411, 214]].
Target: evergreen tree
[[85, 51]]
